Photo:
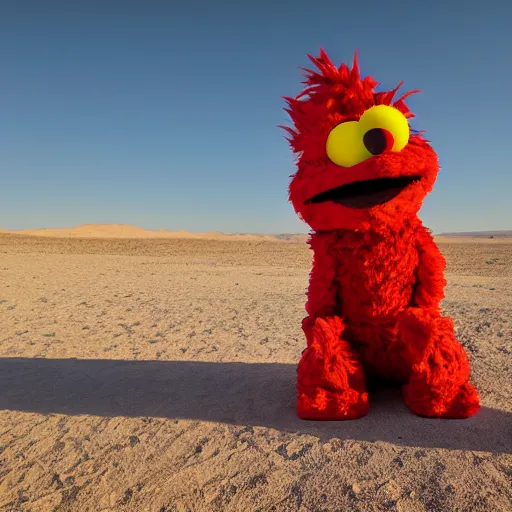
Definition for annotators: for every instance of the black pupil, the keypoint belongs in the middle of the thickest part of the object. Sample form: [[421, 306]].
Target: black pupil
[[375, 141]]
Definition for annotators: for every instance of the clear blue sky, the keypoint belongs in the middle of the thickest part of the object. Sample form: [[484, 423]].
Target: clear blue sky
[[164, 114]]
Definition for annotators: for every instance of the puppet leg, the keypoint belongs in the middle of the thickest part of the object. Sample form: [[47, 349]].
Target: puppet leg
[[439, 384], [330, 379]]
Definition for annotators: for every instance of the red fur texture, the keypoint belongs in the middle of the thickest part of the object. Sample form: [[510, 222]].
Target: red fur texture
[[378, 277]]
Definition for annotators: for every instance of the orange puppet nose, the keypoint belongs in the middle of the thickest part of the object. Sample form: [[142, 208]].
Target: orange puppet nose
[[378, 141]]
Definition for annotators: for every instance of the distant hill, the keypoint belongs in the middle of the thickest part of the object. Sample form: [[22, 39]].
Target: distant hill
[[128, 232], [479, 234], [292, 237], [134, 232]]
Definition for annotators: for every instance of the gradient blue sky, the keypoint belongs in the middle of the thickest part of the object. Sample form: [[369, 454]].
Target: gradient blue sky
[[164, 114]]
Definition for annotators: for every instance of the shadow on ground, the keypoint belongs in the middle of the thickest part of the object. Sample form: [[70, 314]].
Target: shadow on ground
[[255, 394]]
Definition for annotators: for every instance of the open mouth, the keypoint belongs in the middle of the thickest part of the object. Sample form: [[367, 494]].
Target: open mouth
[[365, 194]]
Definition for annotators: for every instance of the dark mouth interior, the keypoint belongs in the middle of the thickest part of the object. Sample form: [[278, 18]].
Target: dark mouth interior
[[365, 194]]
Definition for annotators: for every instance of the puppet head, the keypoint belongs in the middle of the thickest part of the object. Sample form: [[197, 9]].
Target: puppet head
[[359, 164]]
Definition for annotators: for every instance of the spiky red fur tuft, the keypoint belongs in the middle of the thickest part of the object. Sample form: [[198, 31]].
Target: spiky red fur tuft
[[334, 95], [378, 276]]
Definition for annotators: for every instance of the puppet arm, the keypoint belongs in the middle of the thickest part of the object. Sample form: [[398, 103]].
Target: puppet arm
[[330, 377], [322, 290], [424, 307], [429, 289]]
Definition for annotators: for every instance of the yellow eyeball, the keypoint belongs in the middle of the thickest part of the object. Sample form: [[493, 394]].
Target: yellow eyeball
[[381, 128], [389, 119], [345, 146]]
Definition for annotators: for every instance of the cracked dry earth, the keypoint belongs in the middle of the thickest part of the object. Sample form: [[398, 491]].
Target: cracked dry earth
[[159, 375]]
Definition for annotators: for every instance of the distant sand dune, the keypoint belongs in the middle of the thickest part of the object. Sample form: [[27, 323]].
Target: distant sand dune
[[479, 234], [127, 231]]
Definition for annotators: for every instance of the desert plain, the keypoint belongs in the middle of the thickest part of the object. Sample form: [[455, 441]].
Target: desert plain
[[156, 372]]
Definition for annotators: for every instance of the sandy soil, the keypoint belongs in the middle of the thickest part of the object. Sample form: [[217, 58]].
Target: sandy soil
[[159, 375]]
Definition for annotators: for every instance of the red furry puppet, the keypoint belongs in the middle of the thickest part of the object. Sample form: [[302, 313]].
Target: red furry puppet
[[378, 277]]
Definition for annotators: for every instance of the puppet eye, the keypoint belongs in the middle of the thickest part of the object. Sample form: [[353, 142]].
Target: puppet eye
[[390, 123], [380, 129], [345, 146]]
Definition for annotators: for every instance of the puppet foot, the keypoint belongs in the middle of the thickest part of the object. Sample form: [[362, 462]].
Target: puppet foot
[[330, 378], [439, 384], [431, 402], [321, 405]]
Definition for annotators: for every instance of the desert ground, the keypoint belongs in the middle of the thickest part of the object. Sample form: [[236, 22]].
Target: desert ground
[[158, 374]]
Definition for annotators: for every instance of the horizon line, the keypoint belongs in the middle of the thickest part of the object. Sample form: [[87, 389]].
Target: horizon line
[[488, 232]]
